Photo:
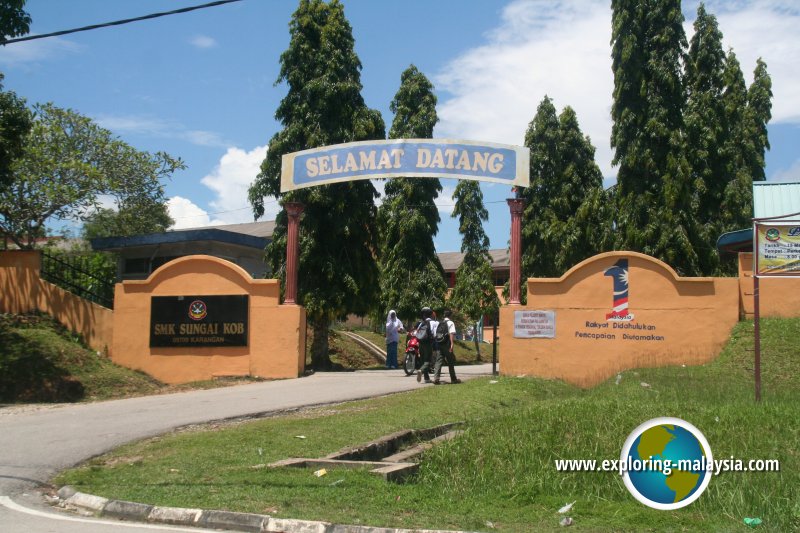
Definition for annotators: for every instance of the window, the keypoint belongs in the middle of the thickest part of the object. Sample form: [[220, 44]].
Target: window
[[500, 277], [139, 265]]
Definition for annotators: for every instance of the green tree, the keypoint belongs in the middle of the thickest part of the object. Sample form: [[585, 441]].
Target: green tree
[[748, 111], [323, 105], [15, 122], [411, 273], [759, 113], [738, 195], [146, 217], [706, 132], [138, 195], [474, 293], [654, 194], [542, 138], [67, 163], [561, 223], [14, 21]]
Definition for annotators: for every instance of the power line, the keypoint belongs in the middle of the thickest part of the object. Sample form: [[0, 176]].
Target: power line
[[275, 201], [119, 22]]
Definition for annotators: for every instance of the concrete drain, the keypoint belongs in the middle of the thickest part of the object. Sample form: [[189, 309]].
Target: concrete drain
[[389, 456]]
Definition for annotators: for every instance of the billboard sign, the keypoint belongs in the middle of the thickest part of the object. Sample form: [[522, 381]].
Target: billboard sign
[[777, 248]]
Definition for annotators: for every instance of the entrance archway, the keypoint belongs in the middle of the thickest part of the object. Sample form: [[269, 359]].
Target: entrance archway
[[405, 158]]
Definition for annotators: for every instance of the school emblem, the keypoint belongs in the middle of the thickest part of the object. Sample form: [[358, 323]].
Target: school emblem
[[197, 310], [619, 310], [773, 234]]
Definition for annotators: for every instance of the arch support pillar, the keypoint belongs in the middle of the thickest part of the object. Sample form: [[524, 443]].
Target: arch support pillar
[[293, 210], [517, 206]]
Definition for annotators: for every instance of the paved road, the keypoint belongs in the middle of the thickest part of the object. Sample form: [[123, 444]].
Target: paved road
[[37, 442]]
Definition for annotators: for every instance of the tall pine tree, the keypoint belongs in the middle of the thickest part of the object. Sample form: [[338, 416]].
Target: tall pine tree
[[562, 223], [410, 272], [738, 196], [706, 133], [747, 112], [653, 194], [474, 293], [542, 138], [759, 113], [323, 105]]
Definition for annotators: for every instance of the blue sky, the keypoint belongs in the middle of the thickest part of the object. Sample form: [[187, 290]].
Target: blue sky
[[201, 85]]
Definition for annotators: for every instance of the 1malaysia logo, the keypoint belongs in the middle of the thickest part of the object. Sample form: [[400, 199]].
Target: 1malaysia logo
[[619, 310]]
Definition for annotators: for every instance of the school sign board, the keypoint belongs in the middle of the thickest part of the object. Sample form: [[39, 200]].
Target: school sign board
[[777, 248], [535, 324], [406, 158], [190, 321]]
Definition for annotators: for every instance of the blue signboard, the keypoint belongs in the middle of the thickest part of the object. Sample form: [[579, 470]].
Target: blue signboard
[[410, 158]]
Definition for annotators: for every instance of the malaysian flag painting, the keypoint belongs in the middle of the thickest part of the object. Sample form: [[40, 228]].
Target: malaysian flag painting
[[620, 274]]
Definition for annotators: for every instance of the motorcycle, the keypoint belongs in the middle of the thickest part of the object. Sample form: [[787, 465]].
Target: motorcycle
[[411, 361]]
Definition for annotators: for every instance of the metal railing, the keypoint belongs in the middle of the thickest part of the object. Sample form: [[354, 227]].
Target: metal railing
[[71, 273]]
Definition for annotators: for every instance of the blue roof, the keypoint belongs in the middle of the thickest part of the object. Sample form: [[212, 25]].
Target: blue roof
[[172, 237], [736, 241], [775, 199]]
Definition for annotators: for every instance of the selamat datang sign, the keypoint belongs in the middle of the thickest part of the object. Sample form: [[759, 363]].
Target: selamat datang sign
[[406, 158]]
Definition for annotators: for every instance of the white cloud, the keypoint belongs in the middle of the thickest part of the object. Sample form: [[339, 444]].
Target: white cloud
[[145, 125], [203, 138], [231, 178], [559, 49], [562, 49], [107, 201], [229, 181], [766, 29], [203, 41], [28, 52], [187, 214]]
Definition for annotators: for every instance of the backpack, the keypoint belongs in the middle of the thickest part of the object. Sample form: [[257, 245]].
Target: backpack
[[442, 331], [422, 330]]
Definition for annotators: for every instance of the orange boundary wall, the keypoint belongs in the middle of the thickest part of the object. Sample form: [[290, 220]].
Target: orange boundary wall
[[683, 321], [23, 291], [276, 346], [780, 297]]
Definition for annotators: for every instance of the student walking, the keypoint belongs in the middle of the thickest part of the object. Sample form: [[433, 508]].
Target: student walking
[[446, 348]]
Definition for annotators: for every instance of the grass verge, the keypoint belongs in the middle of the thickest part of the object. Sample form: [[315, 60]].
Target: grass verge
[[500, 474], [40, 361]]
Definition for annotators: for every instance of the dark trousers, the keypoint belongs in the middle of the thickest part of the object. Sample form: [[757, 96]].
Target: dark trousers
[[426, 354], [449, 357]]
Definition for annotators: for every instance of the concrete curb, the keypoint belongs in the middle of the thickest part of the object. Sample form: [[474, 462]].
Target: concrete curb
[[127, 510], [222, 520]]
